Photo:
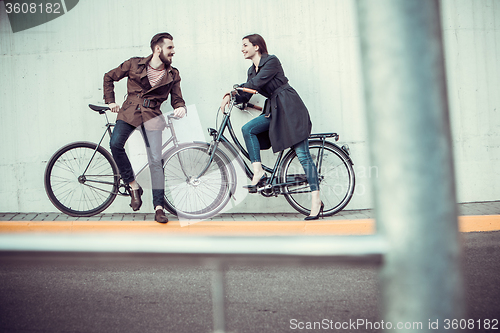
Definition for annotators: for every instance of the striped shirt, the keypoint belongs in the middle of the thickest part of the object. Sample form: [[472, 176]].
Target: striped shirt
[[155, 75]]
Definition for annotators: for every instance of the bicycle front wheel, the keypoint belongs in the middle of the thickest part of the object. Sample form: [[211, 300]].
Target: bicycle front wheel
[[190, 195], [336, 179], [81, 179]]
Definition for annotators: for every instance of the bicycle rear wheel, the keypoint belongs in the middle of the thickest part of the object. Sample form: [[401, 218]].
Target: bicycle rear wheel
[[192, 197], [336, 179], [79, 185]]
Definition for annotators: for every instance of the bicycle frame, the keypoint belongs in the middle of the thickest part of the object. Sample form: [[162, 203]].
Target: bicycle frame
[[218, 137], [108, 130]]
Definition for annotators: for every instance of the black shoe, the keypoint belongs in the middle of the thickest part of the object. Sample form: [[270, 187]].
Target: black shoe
[[135, 196], [309, 218], [254, 188], [160, 216]]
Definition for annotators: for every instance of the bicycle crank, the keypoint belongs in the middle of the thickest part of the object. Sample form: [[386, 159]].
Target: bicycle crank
[[267, 191]]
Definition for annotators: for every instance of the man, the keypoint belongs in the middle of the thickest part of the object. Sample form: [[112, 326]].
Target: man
[[150, 81]]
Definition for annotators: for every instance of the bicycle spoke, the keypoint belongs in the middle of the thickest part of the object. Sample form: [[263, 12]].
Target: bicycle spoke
[[75, 193], [336, 180], [194, 197]]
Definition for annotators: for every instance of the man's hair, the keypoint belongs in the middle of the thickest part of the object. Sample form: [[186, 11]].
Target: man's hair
[[158, 39], [257, 39]]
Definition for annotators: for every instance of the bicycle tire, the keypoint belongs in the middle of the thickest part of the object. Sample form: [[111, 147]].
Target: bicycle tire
[[76, 194], [337, 179], [190, 197]]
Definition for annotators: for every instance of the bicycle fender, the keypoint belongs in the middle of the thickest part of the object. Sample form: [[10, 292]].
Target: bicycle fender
[[341, 150]]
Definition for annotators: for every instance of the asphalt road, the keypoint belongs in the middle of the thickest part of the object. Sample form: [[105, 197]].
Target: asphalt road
[[128, 294]]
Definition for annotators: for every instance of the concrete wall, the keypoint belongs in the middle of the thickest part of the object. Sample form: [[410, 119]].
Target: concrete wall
[[49, 73], [472, 45]]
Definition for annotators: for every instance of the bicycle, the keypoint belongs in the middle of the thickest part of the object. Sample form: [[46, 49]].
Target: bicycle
[[334, 165], [82, 179]]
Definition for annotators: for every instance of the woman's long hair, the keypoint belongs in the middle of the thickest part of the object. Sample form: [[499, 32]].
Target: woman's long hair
[[257, 39]]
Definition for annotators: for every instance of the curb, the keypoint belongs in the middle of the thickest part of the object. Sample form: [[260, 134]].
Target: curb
[[479, 223]]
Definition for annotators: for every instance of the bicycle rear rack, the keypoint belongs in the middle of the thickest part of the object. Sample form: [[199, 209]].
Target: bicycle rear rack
[[324, 136]]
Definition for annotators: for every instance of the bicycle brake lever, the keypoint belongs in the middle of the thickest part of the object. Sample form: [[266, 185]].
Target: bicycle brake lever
[[172, 116]]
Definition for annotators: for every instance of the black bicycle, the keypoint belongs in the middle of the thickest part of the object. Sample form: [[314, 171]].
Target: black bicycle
[[201, 177], [82, 179]]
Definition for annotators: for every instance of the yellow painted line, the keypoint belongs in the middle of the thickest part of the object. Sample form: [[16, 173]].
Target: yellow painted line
[[249, 228], [200, 228], [479, 223]]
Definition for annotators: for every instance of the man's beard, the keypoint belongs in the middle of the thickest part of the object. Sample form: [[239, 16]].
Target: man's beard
[[164, 59]]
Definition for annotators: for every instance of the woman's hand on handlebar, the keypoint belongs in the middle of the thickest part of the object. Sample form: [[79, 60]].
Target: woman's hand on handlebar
[[227, 97], [225, 102], [114, 107]]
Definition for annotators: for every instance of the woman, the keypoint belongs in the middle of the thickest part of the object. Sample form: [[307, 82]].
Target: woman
[[285, 121]]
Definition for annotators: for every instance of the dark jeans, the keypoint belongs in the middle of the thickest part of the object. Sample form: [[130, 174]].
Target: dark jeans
[[261, 124], [153, 141]]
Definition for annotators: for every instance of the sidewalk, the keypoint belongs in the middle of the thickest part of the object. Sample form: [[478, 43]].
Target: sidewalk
[[476, 217]]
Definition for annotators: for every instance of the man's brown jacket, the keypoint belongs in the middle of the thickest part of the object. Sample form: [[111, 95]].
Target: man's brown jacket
[[143, 102]]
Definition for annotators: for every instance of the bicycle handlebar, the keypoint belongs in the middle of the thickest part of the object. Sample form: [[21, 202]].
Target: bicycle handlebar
[[256, 107], [247, 90], [103, 109], [172, 116]]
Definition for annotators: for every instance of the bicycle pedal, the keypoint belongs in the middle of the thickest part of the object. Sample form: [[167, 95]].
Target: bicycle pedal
[[267, 187]]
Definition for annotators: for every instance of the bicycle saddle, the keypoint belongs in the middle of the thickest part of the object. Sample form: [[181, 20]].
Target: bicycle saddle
[[100, 109]]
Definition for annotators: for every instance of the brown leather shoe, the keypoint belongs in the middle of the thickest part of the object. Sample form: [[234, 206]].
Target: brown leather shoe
[[160, 216], [136, 201]]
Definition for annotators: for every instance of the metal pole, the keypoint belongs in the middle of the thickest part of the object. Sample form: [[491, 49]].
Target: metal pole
[[218, 294], [410, 144]]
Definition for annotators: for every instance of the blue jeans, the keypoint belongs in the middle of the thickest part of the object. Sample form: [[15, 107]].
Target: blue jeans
[[261, 124], [153, 141]]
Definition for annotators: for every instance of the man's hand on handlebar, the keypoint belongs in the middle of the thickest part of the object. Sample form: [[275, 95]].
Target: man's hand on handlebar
[[180, 112], [114, 107]]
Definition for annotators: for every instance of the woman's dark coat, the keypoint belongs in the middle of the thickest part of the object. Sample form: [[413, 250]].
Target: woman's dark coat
[[290, 122]]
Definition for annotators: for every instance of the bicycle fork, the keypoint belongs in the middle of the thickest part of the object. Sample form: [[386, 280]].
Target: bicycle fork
[[211, 152]]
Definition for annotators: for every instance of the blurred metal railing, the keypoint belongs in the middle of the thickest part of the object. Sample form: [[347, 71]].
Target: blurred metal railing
[[213, 252]]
